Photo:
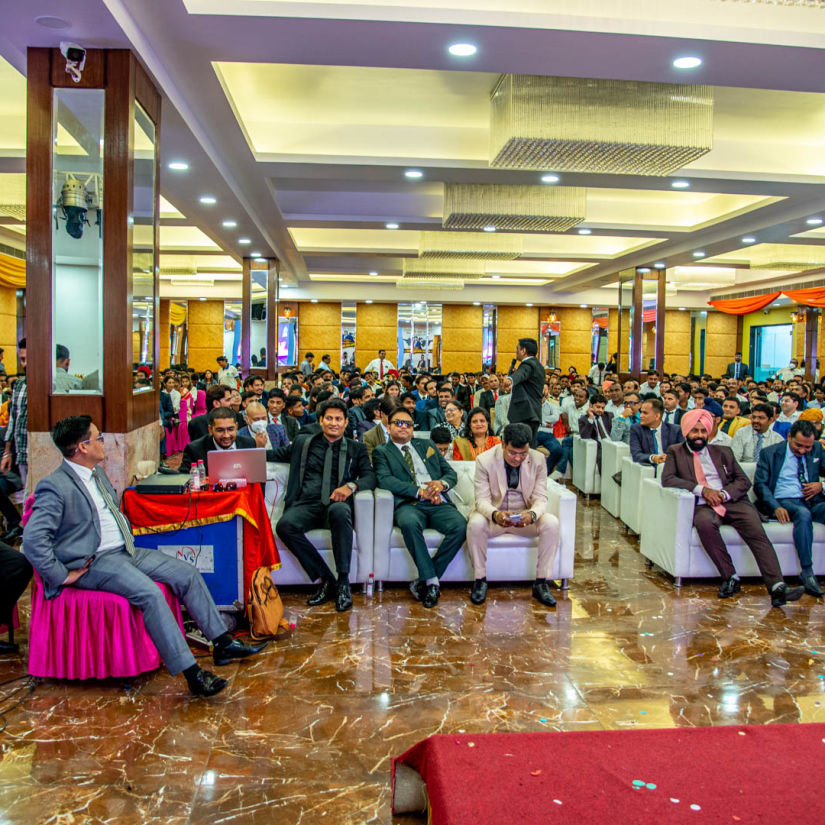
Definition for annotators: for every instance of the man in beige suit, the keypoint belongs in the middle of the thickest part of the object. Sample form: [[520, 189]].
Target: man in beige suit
[[511, 497]]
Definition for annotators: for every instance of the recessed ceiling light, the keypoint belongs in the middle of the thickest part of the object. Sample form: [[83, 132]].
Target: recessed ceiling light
[[749, 239], [391, 225], [462, 49], [490, 228], [368, 301], [549, 178], [682, 309], [496, 277], [528, 305], [229, 224], [254, 254], [698, 254], [201, 299], [583, 306], [659, 265], [178, 165], [814, 221], [680, 184], [476, 303], [703, 312], [50, 22], [585, 232], [259, 260], [208, 199], [413, 174], [687, 62], [313, 300], [373, 274], [244, 241], [644, 270]]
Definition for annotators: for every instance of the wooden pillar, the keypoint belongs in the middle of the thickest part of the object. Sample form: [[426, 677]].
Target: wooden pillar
[[660, 320], [272, 296], [811, 342], [635, 365], [246, 315]]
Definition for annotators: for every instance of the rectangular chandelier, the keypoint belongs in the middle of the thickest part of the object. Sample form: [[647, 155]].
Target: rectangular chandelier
[[572, 124], [480, 245], [786, 256], [438, 269], [523, 208]]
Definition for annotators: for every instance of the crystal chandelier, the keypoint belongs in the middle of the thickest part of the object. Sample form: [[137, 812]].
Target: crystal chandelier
[[521, 208], [438, 269], [786, 256], [610, 126], [479, 245]]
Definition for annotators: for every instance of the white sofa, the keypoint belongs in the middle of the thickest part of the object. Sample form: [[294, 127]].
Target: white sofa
[[670, 541], [586, 476], [612, 454], [631, 496], [510, 557], [291, 571]]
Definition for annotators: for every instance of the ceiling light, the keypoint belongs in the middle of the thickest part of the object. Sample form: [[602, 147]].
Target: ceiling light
[[201, 299], [585, 231], [462, 49], [373, 274], [583, 306], [680, 184], [259, 260], [391, 225], [413, 174], [814, 222], [682, 309], [313, 300], [687, 62], [749, 239], [496, 277], [476, 303], [244, 241], [229, 224], [698, 254], [489, 228], [644, 270], [659, 265], [208, 199], [549, 178], [50, 22], [529, 305], [254, 254], [178, 165], [368, 301]]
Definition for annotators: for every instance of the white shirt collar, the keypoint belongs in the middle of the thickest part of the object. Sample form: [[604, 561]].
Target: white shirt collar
[[84, 473], [218, 446]]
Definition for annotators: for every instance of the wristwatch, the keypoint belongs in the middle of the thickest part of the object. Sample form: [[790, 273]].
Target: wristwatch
[[532, 516], [353, 486]]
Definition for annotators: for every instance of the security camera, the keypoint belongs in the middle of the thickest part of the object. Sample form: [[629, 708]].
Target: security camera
[[75, 59], [765, 312]]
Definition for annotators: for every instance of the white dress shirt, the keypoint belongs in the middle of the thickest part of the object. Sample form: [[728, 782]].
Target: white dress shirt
[[375, 366], [669, 416], [711, 476], [110, 535], [610, 407], [722, 439]]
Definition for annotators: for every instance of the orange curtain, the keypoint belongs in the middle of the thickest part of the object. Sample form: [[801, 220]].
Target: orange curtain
[[12, 271], [742, 306], [814, 297]]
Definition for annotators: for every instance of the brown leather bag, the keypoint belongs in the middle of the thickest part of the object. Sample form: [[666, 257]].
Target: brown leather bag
[[264, 608]]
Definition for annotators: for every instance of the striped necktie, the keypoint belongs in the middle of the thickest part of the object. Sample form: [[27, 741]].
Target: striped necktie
[[409, 459], [123, 525]]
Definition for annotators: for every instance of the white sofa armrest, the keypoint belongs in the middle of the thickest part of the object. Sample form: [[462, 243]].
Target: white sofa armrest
[[612, 454], [384, 513], [561, 503], [666, 538], [364, 507], [585, 473]]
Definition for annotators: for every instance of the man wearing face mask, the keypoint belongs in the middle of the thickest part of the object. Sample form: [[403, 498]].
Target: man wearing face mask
[[720, 486], [270, 436]]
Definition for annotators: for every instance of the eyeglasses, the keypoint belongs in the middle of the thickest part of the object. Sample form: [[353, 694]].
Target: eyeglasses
[[404, 425], [89, 440]]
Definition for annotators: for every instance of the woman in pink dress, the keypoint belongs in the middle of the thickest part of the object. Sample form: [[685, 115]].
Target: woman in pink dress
[[188, 396]]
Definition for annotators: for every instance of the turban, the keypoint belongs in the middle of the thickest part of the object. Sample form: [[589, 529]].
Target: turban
[[713, 407], [696, 416], [811, 414]]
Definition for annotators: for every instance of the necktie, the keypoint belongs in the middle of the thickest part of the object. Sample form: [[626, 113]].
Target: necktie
[[600, 433], [326, 477], [702, 479], [736, 371], [726, 425], [409, 459], [123, 525], [655, 443], [800, 470], [381, 368], [757, 450]]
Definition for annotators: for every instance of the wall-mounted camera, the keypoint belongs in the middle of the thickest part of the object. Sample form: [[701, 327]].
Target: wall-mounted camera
[[77, 198], [75, 59]]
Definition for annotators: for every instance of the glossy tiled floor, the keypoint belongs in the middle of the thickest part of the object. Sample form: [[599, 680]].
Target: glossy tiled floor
[[305, 733]]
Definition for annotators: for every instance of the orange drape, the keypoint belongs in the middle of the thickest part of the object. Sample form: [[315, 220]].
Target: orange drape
[[742, 306], [12, 271], [814, 297]]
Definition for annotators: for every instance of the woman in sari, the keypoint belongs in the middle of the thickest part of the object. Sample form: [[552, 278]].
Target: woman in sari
[[479, 438]]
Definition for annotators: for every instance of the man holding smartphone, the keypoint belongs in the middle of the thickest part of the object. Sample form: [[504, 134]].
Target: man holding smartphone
[[511, 497]]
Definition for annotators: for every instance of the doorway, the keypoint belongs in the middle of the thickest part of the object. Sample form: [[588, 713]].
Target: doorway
[[770, 348]]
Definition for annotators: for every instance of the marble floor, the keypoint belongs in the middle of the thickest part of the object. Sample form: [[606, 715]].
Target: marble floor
[[305, 733]]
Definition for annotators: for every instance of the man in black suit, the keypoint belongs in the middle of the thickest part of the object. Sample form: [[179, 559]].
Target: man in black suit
[[651, 437], [436, 416], [418, 476], [326, 470], [672, 413], [736, 368], [462, 391], [223, 435], [528, 387], [596, 425], [277, 414], [217, 395]]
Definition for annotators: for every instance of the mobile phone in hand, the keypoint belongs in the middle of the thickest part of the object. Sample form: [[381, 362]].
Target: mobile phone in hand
[[515, 518]]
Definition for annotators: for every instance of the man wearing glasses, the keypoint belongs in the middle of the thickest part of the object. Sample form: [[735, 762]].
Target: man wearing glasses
[[77, 537], [620, 431], [418, 476]]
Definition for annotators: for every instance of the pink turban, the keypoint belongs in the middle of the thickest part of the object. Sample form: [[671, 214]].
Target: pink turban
[[692, 417]]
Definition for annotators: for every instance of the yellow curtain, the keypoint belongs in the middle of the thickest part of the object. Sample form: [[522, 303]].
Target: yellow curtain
[[12, 271], [177, 313]]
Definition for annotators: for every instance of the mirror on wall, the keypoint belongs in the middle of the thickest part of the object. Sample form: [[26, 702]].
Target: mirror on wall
[[488, 336], [348, 310], [598, 339], [232, 331], [287, 335], [419, 336], [257, 334], [626, 316], [549, 331], [178, 332]]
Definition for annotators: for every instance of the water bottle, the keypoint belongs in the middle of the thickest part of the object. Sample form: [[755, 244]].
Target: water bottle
[[194, 478], [370, 585], [202, 475]]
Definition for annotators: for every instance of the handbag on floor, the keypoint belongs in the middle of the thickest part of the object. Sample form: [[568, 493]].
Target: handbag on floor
[[264, 608]]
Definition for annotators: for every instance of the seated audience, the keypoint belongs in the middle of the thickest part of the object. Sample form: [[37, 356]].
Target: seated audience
[[716, 434], [732, 418], [720, 486], [78, 537], [596, 425], [269, 436], [275, 409], [479, 437], [440, 436], [371, 418], [750, 440], [380, 432], [437, 415], [511, 497], [615, 396], [217, 395], [620, 431], [294, 407], [672, 413], [454, 421], [651, 438], [417, 475], [789, 404], [223, 435]]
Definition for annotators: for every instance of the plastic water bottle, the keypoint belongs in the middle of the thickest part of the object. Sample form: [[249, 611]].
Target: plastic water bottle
[[370, 585], [194, 478], [202, 475]]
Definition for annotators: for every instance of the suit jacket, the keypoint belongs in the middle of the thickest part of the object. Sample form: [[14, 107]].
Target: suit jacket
[[290, 425], [679, 470], [641, 441], [394, 474], [166, 409], [196, 451], [354, 468], [587, 429], [463, 396], [435, 418], [528, 387], [198, 426], [770, 464], [373, 438], [744, 372], [63, 529], [363, 428], [276, 433], [422, 412], [487, 401], [491, 482], [677, 416]]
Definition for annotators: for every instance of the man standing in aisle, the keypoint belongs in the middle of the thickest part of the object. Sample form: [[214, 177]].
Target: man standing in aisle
[[528, 387], [380, 366], [17, 430], [737, 369], [307, 367], [227, 373]]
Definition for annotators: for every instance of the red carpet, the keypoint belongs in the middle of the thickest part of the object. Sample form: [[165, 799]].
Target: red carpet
[[759, 774]]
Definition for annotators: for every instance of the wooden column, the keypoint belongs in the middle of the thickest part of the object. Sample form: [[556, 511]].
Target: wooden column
[[811, 342], [660, 320], [272, 295], [246, 316], [638, 319]]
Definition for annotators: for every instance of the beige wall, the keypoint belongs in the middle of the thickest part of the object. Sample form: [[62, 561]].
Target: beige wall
[[720, 342], [677, 342], [514, 322], [575, 335], [205, 334], [376, 327], [461, 337], [8, 328], [319, 331]]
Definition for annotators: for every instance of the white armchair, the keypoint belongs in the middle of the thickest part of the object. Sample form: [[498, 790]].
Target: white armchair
[[291, 571], [586, 476], [612, 454], [510, 557], [631, 497]]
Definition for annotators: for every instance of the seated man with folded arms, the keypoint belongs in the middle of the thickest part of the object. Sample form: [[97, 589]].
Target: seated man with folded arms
[[418, 476], [511, 497], [78, 537], [721, 487]]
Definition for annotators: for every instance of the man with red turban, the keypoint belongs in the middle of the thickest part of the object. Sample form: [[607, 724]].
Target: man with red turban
[[711, 473]]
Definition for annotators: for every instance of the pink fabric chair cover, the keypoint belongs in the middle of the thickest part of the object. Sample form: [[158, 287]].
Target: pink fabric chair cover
[[90, 634]]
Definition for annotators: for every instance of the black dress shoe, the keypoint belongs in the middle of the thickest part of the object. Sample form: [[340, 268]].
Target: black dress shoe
[[7, 648], [431, 594], [15, 533], [417, 588], [324, 593], [782, 594], [166, 470], [478, 595], [206, 683], [235, 650], [812, 586], [541, 592], [343, 598], [729, 587]]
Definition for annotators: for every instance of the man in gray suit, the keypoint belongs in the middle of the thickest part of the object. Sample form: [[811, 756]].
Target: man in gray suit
[[77, 537], [528, 387]]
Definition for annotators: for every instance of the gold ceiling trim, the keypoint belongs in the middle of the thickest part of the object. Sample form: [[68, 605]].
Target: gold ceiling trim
[[572, 124], [462, 245]]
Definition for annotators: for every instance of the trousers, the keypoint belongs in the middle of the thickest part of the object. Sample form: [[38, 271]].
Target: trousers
[[15, 574], [293, 525], [134, 577], [413, 518], [480, 530], [553, 446], [804, 514]]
